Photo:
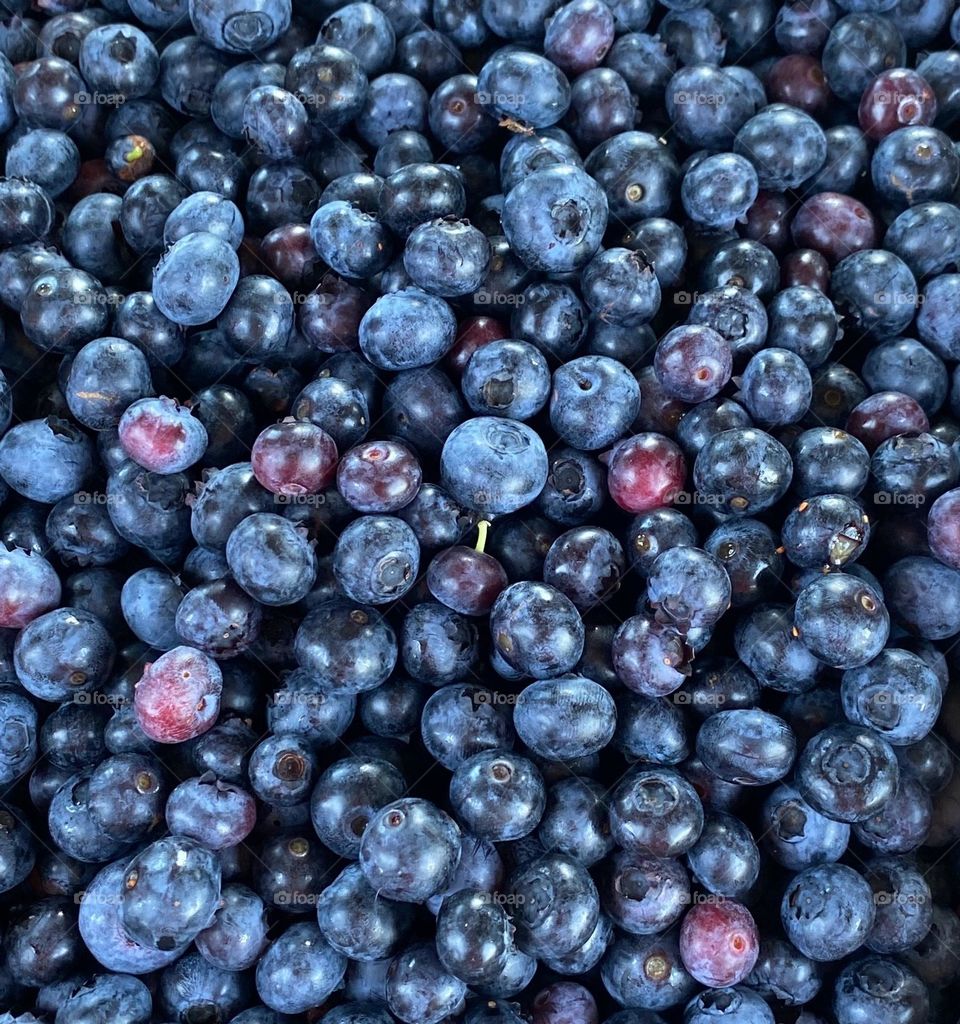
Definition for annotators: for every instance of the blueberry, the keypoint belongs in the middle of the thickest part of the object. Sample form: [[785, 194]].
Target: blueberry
[[840, 606], [848, 773], [357, 921], [195, 279], [593, 403], [554, 219], [420, 989], [656, 811], [828, 911], [299, 969], [498, 795]]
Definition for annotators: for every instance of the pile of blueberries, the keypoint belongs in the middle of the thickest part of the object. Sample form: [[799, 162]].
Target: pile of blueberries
[[479, 512]]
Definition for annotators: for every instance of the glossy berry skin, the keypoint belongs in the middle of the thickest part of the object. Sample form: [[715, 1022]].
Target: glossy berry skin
[[419, 988], [739, 1003], [299, 970], [645, 471], [725, 859], [102, 929], [796, 835], [466, 580], [537, 629], [347, 797], [575, 821], [219, 618], [62, 653], [943, 528], [688, 588], [827, 911], [564, 1002], [842, 620], [693, 363], [195, 279], [828, 530], [877, 290], [460, 720], [161, 435], [446, 257], [18, 722], [498, 795], [556, 905], [586, 564], [238, 934], [771, 141], [357, 921], [922, 156], [594, 401], [878, 988], [575, 487], [650, 657], [178, 696], [125, 796], [897, 694], [45, 460], [656, 811], [554, 219], [776, 387], [493, 465], [646, 972], [29, 586], [506, 378], [271, 560], [410, 851], [829, 461], [651, 533], [379, 476], [904, 905], [406, 329], [620, 286], [215, 813], [376, 559], [847, 772], [743, 471], [178, 870], [747, 746], [348, 648], [644, 895], [545, 720], [474, 936], [718, 190], [293, 458], [719, 943]]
